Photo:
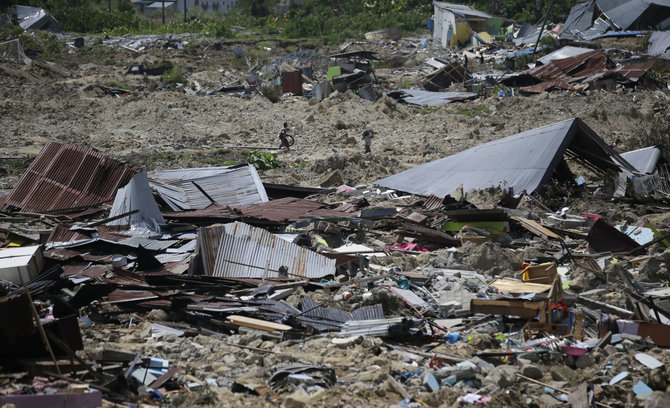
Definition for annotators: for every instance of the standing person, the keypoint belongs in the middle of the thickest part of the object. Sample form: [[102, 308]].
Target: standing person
[[367, 138], [282, 137]]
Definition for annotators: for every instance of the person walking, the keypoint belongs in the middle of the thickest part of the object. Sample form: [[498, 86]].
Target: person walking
[[367, 138], [282, 137]]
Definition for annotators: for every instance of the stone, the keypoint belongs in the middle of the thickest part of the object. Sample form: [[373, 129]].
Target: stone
[[584, 361], [157, 315], [651, 271], [561, 373]]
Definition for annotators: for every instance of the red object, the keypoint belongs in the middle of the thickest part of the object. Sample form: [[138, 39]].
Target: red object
[[591, 217]]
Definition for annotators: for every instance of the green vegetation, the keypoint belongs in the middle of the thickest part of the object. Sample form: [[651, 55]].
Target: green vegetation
[[263, 160], [328, 21], [117, 84], [525, 11], [173, 75], [41, 42]]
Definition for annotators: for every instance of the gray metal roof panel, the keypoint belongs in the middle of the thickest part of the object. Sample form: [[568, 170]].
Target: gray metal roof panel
[[234, 186], [564, 52], [579, 19], [421, 97], [245, 252], [136, 195], [659, 42], [515, 163], [461, 10], [645, 159]]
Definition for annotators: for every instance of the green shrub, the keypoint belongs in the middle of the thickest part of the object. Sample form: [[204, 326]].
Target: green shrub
[[173, 76], [263, 160]]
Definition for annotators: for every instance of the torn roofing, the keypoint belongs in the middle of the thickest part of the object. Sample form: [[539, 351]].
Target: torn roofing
[[136, 196], [428, 98], [644, 160], [234, 186], [579, 20], [659, 42], [283, 210], [64, 177], [636, 13], [238, 250], [564, 52], [461, 10], [520, 162]]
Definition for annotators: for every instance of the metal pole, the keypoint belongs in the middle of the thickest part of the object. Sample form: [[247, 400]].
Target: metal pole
[[184, 10], [163, 8], [539, 36]]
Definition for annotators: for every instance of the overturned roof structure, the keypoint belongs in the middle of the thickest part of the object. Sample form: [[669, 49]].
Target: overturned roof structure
[[64, 177], [591, 19], [238, 250], [35, 18], [516, 163], [197, 188]]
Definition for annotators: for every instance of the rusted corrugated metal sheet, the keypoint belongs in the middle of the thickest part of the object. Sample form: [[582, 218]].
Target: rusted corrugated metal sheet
[[239, 250], [578, 72], [283, 210], [291, 82], [433, 203], [64, 177]]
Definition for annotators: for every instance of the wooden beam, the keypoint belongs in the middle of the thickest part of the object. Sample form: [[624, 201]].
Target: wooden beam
[[522, 308]]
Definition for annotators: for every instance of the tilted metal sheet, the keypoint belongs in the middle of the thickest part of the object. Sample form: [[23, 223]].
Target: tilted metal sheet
[[245, 251], [233, 186], [209, 239], [520, 162], [136, 195], [64, 177], [644, 160]]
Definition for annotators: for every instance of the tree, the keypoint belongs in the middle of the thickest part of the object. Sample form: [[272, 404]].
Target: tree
[[257, 8]]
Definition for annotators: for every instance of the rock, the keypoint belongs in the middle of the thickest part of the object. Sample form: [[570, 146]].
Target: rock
[[157, 315], [529, 370], [666, 256], [584, 361], [562, 373], [651, 271]]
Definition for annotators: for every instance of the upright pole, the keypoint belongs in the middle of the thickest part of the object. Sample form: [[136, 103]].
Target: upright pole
[[539, 36], [163, 8], [184, 10]]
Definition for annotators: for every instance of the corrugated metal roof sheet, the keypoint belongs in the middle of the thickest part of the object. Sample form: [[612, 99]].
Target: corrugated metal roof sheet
[[239, 250], [461, 10], [287, 209], [564, 52], [659, 42], [136, 196], [64, 177], [520, 162], [645, 159], [428, 98], [233, 186]]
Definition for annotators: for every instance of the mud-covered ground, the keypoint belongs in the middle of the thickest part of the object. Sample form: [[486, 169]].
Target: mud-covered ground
[[153, 128]]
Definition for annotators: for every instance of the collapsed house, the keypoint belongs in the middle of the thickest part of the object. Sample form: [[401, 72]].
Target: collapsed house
[[583, 70], [456, 24], [34, 18], [518, 163], [594, 18]]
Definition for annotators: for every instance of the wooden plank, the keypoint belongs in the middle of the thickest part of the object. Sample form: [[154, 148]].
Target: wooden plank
[[506, 285], [257, 323], [535, 227], [164, 378], [521, 308]]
